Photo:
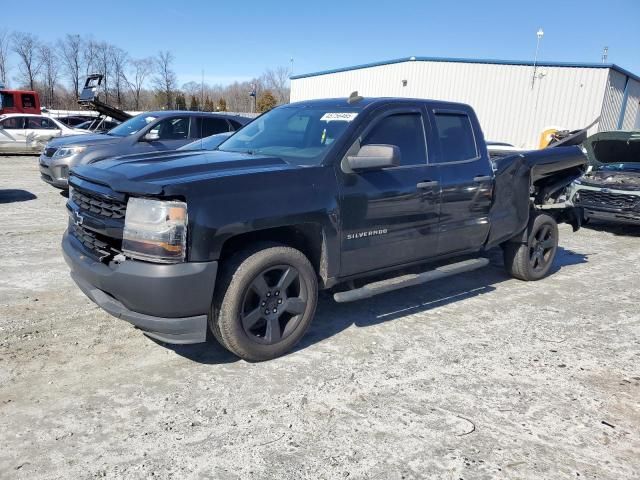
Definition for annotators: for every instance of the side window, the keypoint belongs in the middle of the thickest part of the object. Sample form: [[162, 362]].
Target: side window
[[211, 126], [456, 137], [176, 128], [13, 123], [235, 125], [40, 123], [28, 100], [405, 131], [6, 100]]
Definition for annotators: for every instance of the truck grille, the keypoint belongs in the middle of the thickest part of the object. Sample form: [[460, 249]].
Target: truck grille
[[99, 205], [101, 246], [607, 199], [48, 152]]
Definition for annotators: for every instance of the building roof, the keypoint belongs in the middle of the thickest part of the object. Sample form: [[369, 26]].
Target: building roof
[[529, 63]]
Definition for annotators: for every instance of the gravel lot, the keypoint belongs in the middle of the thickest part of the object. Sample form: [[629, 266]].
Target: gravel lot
[[480, 376]]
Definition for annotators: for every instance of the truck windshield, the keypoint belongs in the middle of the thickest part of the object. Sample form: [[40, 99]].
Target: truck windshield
[[299, 135], [131, 126]]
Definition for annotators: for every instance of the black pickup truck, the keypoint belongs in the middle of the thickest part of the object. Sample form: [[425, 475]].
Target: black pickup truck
[[343, 194]]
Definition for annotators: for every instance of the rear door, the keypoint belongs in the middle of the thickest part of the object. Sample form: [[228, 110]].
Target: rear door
[[390, 216], [466, 180], [38, 131], [12, 138]]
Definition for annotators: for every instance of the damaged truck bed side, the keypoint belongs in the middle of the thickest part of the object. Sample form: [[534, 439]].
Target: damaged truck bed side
[[345, 194], [610, 190]]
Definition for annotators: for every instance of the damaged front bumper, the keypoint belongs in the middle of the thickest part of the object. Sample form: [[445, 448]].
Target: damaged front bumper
[[609, 204]]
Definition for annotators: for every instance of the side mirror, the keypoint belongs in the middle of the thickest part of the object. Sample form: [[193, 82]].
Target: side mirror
[[375, 157], [151, 136]]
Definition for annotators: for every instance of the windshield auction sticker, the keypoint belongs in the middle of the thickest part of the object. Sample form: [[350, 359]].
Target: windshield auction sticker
[[338, 117]]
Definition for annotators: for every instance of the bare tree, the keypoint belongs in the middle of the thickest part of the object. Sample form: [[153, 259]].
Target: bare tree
[[102, 59], [277, 80], [50, 73], [70, 49], [26, 46], [165, 79], [119, 61], [4, 55], [142, 68], [89, 56]]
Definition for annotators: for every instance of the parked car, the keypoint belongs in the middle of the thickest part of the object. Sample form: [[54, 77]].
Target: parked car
[[208, 143], [75, 120], [318, 194], [148, 132], [99, 125], [27, 133], [610, 191]]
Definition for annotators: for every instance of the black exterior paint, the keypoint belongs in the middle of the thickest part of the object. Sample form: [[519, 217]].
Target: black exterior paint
[[358, 223]]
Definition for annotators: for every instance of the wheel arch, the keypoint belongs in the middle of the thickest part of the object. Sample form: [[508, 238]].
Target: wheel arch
[[309, 238]]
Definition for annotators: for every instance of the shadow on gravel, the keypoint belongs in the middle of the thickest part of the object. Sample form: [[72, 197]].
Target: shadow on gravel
[[619, 229], [332, 318], [209, 353], [15, 195]]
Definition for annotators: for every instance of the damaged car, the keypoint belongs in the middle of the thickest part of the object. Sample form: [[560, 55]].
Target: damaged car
[[610, 190]]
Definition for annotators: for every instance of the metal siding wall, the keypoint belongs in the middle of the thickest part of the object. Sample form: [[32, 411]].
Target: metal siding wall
[[632, 113], [508, 108], [612, 101]]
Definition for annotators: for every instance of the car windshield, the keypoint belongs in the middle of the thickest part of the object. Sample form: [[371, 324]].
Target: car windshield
[[131, 126], [300, 135]]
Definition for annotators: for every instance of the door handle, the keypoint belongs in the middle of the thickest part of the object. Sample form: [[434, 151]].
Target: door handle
[[482, 178], [428, 184]]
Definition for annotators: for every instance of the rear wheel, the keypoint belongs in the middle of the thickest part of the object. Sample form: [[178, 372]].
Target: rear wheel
[[533, 259], [268, 300]]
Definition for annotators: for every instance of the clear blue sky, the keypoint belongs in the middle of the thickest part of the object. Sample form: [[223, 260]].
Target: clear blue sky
[[239, 39]]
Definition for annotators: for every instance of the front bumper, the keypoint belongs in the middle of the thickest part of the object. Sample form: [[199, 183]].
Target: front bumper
[[167, 302], [609, 211], [55, 172]]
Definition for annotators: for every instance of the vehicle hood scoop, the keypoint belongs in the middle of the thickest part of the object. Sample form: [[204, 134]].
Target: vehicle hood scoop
[[151, 173]]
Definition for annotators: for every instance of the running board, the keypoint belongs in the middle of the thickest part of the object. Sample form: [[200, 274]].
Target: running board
[[410, 280]]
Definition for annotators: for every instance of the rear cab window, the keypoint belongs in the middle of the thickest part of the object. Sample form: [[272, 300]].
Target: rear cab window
[[456, 136]]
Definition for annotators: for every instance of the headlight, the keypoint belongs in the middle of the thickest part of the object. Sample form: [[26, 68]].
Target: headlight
[[67, 151], [155, 230]]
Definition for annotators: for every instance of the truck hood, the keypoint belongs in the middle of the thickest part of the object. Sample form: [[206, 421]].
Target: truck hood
[[84, 139], [150, 174]]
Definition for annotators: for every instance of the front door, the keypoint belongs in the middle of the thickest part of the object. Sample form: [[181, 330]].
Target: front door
[[390, 216], [167, 134], [12, 138], [38, 131]]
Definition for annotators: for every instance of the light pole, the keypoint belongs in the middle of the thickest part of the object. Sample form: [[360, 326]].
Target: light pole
[[539, 34]]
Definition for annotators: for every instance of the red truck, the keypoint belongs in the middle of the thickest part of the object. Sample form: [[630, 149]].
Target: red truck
[[19, 101]]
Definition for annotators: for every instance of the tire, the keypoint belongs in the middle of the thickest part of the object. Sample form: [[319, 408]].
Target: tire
[[532, 260], [266, 302]]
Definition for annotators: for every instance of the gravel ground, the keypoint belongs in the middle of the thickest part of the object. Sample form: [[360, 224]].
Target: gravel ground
[[479, 376]]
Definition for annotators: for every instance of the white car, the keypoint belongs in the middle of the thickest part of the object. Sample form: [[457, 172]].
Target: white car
[[29, 133]]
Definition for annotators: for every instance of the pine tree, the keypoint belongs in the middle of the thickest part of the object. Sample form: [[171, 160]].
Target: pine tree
[[222, 105], [266, 101], [208, 105], [181, 103], [195, 105]]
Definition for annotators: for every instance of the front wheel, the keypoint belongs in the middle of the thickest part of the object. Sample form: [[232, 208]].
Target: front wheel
[[533, 259], [267, 301]]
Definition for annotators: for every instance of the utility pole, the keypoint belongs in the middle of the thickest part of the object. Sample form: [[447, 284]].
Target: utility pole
[[202, 92], [539, 34]]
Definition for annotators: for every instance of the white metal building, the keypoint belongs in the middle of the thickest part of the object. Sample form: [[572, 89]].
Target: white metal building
[[515, 101]]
